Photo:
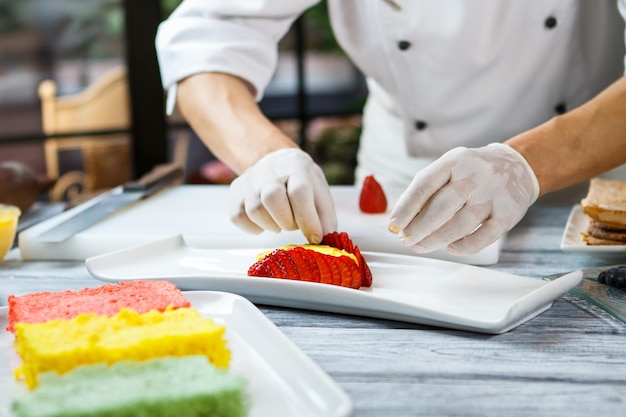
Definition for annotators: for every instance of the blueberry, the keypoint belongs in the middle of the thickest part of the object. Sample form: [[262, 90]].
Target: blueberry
[[615, 277]]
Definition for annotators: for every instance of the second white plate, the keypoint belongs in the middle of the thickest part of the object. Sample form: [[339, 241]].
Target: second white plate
[[405, 288], [571, 241], [282, 380]]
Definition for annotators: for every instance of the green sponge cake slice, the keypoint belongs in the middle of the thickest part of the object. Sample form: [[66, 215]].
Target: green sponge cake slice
[[173, 386]]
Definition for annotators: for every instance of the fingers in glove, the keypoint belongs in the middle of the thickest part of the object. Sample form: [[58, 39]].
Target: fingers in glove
[[462, 223], [325, 206], [484, 236], [441, 208], [237, 208], [275, 200], [258, 213], [302, 199], [426, 183]]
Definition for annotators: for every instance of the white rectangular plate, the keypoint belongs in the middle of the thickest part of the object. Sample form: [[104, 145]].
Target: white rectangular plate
[[282, 380], [577, 223], [200, 214], [405, 288]]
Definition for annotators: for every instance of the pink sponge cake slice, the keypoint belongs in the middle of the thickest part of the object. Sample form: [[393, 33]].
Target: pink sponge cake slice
[[106, 300]]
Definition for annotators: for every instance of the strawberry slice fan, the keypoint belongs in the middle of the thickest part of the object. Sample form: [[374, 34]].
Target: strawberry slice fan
[[342, 265]]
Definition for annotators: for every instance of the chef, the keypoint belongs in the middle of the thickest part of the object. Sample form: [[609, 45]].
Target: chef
[[449, 81]]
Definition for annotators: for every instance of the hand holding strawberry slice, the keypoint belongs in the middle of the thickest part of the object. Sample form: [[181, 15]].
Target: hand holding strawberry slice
[[372, 199]]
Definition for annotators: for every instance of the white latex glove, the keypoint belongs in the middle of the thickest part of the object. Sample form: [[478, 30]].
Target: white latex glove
[[284, 190], [465, 200]]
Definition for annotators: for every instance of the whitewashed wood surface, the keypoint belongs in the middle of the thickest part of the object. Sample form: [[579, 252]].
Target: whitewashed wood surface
[[569, 361]]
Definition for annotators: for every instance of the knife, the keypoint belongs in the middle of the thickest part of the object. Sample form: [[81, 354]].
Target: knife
[[155, 180]]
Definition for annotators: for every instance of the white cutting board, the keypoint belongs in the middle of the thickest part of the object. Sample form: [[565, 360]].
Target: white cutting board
[[199, 213]]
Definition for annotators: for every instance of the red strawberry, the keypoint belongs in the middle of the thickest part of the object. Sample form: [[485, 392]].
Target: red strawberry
[[287, 265], [372, 199], [303, 264], [335, 273], [313, 272], [342, 241], [366, 274], [266, 267], [326, 274], [350, 273]]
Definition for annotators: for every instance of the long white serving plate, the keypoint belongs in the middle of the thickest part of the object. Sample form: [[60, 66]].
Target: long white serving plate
[[282, 380], [405, 288]]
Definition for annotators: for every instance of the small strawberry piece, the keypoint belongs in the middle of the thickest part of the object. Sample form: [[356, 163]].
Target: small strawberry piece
[[346, 243], [266, 267], [302, 265], [326, 274], [332, 239], [287, 265], [313, 272], [366, 273], [372, 199], [335, 272], [342, 241], [350, 273]]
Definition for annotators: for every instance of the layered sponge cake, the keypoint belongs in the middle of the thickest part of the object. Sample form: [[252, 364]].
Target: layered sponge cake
[[146, 352], [62, 345], [175, 386], [106, 300]]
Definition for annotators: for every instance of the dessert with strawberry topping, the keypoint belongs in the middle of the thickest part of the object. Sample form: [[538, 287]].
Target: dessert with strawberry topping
[[336, 261]]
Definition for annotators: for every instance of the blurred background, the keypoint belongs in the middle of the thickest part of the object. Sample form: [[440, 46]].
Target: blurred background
[[82, 108]]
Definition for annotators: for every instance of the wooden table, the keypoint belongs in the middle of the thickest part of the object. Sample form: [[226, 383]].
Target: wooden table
[[568, 361]]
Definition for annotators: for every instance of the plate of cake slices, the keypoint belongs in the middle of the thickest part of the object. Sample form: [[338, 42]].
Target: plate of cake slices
[[229, 357], [402, 287], [598, 223]]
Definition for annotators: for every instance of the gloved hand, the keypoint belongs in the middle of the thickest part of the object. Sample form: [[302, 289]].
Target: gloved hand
[[284, 190], [465, 200]]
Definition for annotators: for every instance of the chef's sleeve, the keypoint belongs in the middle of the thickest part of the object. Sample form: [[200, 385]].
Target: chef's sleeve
[[238, 37]]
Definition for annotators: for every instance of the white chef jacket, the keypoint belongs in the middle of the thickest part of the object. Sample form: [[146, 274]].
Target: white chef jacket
[[441, 73]]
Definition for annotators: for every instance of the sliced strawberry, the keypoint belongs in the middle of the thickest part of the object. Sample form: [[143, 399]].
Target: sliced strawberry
[[372, 199], [326, 275], [331, 239], [301, 264], [287, 265], [334, 269], [266, 267], [357, 275], [346, 243], [313, 272], [366, 273], [346, 270]]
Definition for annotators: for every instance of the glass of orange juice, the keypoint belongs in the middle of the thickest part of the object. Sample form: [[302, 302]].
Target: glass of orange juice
[[8, 225]]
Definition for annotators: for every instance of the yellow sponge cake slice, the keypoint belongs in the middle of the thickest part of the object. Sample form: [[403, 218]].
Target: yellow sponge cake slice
[[62, 345]]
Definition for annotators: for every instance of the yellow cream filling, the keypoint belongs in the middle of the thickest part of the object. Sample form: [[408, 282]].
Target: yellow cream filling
[[323, 249]]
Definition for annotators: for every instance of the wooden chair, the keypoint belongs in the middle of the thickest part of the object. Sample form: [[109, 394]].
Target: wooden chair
[[106, 159]]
